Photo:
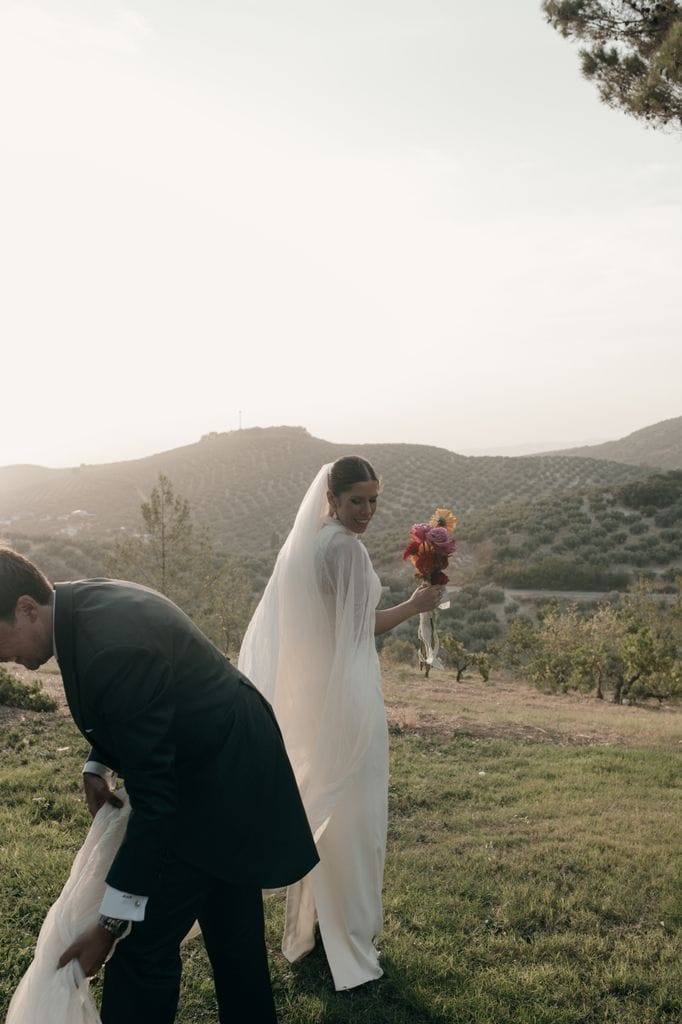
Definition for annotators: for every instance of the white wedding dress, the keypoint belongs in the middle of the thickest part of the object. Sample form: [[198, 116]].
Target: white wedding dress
[[62, 996], [310, 650]]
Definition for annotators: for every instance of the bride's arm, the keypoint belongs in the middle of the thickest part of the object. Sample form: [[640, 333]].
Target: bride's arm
[[424, 599]]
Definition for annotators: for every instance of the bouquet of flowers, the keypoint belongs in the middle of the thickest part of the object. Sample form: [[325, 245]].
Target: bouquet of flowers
[[429, 550]]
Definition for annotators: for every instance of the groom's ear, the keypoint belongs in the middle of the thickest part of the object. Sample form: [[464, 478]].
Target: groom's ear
[[27, 607]]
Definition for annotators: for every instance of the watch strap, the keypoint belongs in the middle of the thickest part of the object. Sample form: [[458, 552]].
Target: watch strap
[[114, 925]]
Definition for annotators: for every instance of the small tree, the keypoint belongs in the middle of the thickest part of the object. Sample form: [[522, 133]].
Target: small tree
[[461, 659], [520, 643], [604, 633], [228, 608], [649, 649], [170, 555], [633, 650], [559, 661]]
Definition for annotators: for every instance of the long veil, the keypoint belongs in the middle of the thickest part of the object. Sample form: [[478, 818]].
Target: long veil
[[306, 649], [63, 996]]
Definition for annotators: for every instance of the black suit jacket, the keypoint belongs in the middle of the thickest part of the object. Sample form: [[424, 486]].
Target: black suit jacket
[[201, 754]]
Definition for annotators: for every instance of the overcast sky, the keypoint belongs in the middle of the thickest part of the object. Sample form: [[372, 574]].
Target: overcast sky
[[383, 220]]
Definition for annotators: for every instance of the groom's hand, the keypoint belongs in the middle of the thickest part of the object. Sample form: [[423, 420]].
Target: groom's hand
[[91, 948], [98, 793]]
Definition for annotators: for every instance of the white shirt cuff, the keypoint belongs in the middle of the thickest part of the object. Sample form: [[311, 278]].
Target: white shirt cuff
[[95, 768], [123, 905]]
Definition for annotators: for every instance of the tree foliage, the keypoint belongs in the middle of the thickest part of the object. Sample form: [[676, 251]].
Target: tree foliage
[[228, 607], [460, 659], [169, 554], [398, 650], [173, 555], [632, 51], [634, 650], [660, 491]]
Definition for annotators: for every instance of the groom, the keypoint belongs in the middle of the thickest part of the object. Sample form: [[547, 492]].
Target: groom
[[216, 815]]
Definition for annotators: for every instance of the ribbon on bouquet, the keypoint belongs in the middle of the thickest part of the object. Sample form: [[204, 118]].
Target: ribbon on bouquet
[[427, 633]]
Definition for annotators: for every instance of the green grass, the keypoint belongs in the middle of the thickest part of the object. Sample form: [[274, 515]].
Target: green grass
[[525, 882]]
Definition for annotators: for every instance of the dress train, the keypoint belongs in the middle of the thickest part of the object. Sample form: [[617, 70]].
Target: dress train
[[342, 894], [62, 996]]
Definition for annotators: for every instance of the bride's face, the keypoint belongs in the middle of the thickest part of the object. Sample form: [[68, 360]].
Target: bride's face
[[354, 508]]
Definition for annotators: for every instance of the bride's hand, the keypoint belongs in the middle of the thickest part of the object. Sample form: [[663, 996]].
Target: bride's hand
[[91, 948], [426, 597], [98, 793]]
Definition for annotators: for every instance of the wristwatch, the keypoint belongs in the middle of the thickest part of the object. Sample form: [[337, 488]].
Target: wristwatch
[[114, 925]]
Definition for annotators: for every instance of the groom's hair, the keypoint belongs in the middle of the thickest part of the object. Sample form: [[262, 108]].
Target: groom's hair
[[349, 470], [19, 577]]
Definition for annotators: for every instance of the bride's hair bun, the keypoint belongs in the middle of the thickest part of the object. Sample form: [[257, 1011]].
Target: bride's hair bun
[[349, 470]]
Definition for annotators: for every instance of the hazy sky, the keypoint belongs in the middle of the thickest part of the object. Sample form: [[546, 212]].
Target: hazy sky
[[384, 220]]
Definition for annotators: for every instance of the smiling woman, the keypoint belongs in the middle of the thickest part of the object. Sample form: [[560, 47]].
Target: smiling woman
[[353, 492], [310, 650]]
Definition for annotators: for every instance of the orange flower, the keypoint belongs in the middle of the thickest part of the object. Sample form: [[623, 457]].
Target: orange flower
[[444, 517]]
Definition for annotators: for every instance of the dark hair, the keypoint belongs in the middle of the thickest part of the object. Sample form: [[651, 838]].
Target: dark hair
[[19, 577], [349, 470]]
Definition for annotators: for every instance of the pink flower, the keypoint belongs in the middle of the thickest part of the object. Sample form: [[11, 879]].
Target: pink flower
[[420, 530], [440, 539]]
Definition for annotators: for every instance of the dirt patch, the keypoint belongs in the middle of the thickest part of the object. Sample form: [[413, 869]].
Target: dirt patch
[[509, 708], [410, 719]]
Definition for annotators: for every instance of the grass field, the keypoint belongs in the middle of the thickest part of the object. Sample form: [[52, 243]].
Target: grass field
[[534, 870]]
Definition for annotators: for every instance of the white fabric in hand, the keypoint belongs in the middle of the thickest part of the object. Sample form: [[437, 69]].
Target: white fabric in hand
[[62, 996]]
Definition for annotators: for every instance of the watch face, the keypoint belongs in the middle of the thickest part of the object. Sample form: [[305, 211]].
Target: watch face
[[114, 926]]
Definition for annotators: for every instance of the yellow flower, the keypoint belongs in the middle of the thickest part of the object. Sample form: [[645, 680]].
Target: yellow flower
[[444, 517]]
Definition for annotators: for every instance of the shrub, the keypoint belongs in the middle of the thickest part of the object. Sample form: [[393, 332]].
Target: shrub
[[398, 650], [27, 696], [482, 632], [554, 573], [658, 491], [669, 517], [481, 615]]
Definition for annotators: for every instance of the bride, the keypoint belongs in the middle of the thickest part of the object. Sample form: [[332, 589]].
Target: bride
[[310, 650]]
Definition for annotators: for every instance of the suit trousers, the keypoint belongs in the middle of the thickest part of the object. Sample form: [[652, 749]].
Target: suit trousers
[[142, 979]]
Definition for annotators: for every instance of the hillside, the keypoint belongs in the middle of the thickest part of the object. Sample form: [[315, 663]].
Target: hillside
[[659, 445], [245, 487], [596, 540]]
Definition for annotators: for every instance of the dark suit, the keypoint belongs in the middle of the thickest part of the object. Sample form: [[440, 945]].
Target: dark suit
[[216, 814]]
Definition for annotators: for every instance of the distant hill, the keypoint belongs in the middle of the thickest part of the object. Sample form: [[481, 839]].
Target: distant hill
[[659, 445], [595, 540], [246, 485]]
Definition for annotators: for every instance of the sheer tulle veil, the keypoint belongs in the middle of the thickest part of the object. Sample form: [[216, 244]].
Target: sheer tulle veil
[[302, 650], [63, 996]]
